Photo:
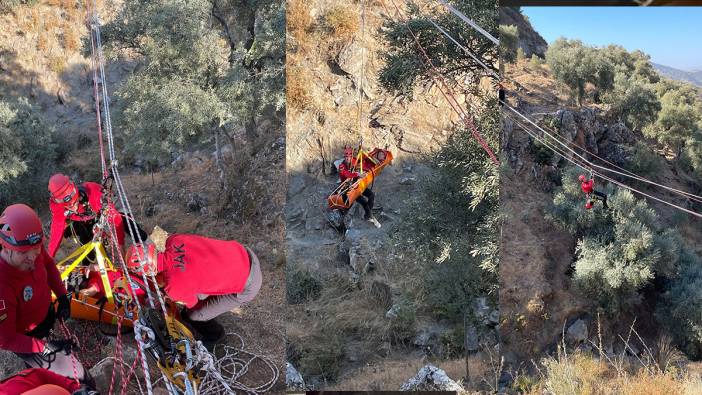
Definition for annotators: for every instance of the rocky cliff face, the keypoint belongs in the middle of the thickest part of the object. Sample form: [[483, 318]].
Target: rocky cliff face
[[530, 41]]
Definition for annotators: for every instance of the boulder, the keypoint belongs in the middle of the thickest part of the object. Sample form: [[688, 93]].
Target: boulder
[[293, 378], [577, 332], [431, 378], [196, 202]]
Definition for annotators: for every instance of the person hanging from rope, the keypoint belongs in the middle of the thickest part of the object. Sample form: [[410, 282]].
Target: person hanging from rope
[[210, 277], [587, 187], [28, 276], [38, 381], [76, 209], [346, 171]]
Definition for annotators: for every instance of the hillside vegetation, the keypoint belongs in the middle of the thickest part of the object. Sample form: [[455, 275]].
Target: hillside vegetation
[[635, 265]]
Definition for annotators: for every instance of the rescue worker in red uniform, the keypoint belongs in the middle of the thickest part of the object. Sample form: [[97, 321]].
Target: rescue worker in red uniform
[[42, 382], [28, 275], [368, 197], [587, 187], [76, 209], [210, 277]]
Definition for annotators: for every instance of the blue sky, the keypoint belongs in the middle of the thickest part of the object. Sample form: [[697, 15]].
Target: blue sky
[[671, 35]]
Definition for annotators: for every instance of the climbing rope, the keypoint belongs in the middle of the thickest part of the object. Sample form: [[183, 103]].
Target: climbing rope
[[622, 172], [235, 363], [446, 91], [587, 165], [362, 74], [145, 337], [470, 22]]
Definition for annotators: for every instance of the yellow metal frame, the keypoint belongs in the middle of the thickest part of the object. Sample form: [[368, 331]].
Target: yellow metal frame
[[103, 262]]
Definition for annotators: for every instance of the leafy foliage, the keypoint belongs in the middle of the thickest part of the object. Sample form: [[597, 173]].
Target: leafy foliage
[[576, 64], [679, 122], [457, 235], [679, 309], [620, 251], [27, 153], [301, 285], [633, 99], [404, 63], [195, 78], [509, 43]]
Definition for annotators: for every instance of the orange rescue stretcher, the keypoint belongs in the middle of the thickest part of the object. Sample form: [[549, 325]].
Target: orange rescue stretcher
[[371, 164], [116, 301], [105, 311]]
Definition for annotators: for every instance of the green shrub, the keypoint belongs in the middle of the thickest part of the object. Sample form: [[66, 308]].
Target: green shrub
[[27, 153], [618, 251], [679, 308], [509, 43], [301, 285], [321, 358], [645, 162], [633, 100], [403, 326]]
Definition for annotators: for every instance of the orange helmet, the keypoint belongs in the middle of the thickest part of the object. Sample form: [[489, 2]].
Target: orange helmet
[[582, 178], [133, 261], [20, 228], [62, 189]]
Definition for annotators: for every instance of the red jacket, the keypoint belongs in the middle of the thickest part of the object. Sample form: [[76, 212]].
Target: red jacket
[[345, 172], [30, 379], [137, 283], [58, 216], [587, 186], [24, 301], [193, 265]]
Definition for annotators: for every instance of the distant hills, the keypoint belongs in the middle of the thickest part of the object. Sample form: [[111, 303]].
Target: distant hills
[[693, 77]]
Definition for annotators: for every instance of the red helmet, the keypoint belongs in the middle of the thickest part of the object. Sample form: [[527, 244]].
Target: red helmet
[[588, 205], [348, 151], [62, 189], [47, 389], [133, 261], [20, 228], [582, 178]]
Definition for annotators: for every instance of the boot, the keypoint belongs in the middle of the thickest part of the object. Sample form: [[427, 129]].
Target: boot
[[209, 332]]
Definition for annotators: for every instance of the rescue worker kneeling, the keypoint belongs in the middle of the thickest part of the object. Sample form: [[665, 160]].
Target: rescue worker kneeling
[[210, 277], [28, 275]]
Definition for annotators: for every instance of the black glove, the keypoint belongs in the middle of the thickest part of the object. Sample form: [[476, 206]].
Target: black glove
[[54, 346], [63, 312]]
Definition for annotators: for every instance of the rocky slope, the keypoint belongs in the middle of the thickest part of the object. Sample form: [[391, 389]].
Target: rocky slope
[[363, 271], [530, 40], [538, 301]]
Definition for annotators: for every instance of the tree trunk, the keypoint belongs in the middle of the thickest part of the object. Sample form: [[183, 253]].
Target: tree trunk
[[218, 160]]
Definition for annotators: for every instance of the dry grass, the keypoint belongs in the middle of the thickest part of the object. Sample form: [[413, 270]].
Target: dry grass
[[341, 23], [298, 22], [71, 36], [57, 63], [581, 374], [297, 88]]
